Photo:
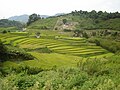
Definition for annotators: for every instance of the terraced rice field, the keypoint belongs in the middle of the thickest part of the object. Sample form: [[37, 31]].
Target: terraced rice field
[[65, 51], [73, 46]]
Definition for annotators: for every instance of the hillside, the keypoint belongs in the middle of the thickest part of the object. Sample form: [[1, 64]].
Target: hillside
[[44, 24], [9, 25], [58, 63], [81, 20], [75, 51]]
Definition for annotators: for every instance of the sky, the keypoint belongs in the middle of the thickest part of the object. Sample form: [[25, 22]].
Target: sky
[[10, 8]]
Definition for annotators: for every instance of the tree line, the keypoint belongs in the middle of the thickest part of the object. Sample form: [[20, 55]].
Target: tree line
[[8, 23], [97, 15]]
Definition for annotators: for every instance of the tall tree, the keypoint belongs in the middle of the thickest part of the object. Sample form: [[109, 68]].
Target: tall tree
[[64, 21], [32, 18]]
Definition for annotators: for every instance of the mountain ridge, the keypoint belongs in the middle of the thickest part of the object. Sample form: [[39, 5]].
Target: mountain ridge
[[23, 18]]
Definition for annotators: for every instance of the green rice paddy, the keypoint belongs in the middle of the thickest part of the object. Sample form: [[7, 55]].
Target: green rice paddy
[[66, 51]]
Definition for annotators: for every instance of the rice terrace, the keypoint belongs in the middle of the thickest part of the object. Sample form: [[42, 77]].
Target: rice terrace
[[79, 50]]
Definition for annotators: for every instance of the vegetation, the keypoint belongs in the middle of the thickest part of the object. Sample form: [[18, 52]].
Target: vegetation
[[44, 24], [32, 18], [112, 46], [97, 15], [2, 51], [64, 21], [7, 23], [8, 29], [65, 55], [11, 53], [90, 74], [96, 20]]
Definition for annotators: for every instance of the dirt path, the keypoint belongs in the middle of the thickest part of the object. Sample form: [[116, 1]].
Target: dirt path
[[56, 23]]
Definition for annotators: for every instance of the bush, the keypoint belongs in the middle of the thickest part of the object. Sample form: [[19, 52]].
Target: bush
[[41, 50], [26, 69], [91, 74], [13, 53], [17, 53], [67, 30], [3, 52], [64, 21], [111, 45], [4, 32]]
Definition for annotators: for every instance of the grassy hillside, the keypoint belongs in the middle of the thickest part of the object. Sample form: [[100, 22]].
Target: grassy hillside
[[89, 23], [75, 22], [59, 60], [61, 48], [42, 24], [113, 24], [59, 63]]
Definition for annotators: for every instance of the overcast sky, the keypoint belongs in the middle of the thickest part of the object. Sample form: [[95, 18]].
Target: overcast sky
[[50, 7]]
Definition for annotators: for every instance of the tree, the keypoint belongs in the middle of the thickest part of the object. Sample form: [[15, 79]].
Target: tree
[[3, 55], [85, 35], [64, 21], [4, 32], [32, 18], [93, 14]]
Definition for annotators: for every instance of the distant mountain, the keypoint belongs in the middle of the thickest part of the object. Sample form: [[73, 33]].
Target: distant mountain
[[58, 14], [22, 18], [44, 16]]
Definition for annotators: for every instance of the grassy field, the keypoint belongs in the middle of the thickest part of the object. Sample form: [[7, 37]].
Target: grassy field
[[65, 50], [61, 62]]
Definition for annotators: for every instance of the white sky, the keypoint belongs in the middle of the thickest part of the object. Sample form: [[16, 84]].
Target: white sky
[[50, 7]]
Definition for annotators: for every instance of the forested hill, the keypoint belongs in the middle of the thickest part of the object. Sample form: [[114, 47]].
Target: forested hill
[[96, 20], [9, 23], [80, 20]]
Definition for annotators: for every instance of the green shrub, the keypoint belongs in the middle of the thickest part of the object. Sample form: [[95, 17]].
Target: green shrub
[[91, 74], [26, 69], [41, 50], [111, 45], [3, 52], [67, 30], [4, 32]]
